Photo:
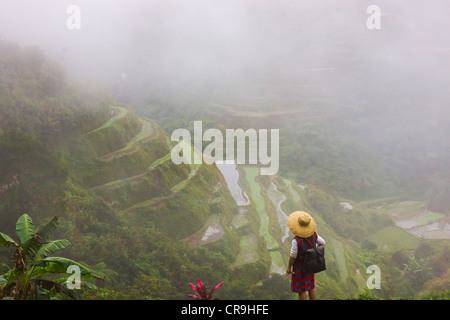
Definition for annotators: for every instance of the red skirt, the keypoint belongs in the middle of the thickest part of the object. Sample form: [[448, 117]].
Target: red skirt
[[301, 282]]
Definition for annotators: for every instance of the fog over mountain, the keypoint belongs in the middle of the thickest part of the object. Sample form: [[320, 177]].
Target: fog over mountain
[[278, 52], [209, 40]]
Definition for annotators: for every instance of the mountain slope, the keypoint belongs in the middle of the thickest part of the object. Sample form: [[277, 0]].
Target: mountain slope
[[152, 227]]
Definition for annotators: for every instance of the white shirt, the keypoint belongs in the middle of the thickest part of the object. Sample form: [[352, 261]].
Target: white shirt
[[294, 247]]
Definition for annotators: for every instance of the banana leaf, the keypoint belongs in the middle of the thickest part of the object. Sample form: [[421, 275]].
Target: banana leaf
[[60, 265], [25, 229]]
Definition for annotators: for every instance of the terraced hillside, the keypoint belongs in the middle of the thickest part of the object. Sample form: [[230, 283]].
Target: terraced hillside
[[127, 163]]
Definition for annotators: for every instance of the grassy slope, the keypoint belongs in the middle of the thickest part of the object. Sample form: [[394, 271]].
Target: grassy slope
[[146, 191], [132, 171]]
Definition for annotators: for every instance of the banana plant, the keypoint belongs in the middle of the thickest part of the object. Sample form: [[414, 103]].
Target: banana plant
[[32, 261]]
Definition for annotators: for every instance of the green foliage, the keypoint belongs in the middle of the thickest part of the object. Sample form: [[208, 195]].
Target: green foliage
[[31, 177], [32, 262], [36, 97], [436, 295], [115, 135], [274, 288], [366, 295]]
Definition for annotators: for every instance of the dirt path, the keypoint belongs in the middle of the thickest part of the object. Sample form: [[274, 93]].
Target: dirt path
[[148, 132], [119, 112]]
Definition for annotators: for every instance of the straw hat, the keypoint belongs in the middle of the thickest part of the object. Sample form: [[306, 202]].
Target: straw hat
[[301, 224]]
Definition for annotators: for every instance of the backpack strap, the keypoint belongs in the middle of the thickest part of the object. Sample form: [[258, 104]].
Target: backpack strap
[[312, 244], [304, 245]]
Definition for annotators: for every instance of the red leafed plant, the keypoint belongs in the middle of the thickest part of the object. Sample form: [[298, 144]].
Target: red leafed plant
[[200, 291]]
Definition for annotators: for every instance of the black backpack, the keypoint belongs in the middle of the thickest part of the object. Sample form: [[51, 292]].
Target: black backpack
[[314, 259]]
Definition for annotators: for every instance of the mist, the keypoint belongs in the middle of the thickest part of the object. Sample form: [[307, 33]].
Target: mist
[[274, 54], [187, 41]]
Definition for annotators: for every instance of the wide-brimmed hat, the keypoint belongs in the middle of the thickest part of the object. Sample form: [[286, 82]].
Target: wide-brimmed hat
[[301, 224]]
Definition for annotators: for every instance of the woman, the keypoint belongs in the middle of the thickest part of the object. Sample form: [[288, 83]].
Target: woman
[[303, 226]]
